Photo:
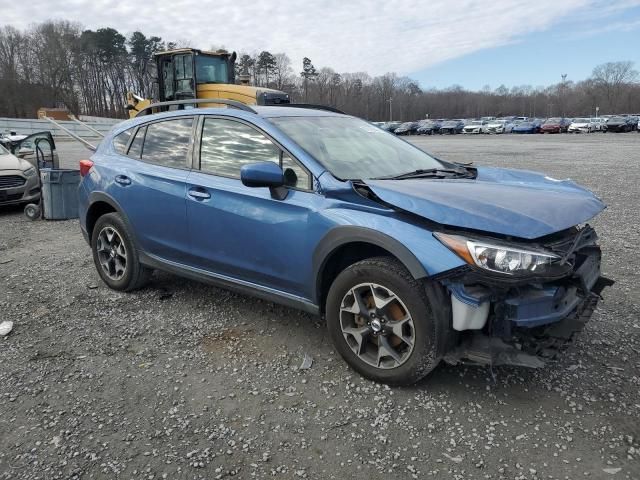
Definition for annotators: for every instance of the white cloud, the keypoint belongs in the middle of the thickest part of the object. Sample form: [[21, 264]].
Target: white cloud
[[376, 36]]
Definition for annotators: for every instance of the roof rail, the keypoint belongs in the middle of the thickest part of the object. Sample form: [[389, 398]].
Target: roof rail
[[195, 101], [310, 105]]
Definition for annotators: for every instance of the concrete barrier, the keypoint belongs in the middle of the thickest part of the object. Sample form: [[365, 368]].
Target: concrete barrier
[[27, 126]]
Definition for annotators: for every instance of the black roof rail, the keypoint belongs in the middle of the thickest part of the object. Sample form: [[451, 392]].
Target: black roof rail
[[195, 101], [310, 105]]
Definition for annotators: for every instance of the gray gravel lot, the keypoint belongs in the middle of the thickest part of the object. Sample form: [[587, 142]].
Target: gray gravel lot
[[183, 380]]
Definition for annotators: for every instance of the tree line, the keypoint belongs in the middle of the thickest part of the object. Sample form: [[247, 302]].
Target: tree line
[[61, 64]]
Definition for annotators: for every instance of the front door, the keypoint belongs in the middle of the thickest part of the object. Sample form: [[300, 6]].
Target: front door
[[39, 149], [242, 232]]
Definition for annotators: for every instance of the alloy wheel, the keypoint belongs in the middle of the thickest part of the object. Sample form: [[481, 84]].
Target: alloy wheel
[[377, 325], [112, 253]]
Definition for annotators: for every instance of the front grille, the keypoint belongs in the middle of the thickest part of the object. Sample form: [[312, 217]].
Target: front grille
[[11, 181], [10, 198]]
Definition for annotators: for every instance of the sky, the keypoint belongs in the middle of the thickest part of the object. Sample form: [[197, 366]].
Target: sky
[[439, 43]]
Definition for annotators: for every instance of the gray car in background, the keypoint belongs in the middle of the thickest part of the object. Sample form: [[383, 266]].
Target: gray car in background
[[18, 180]]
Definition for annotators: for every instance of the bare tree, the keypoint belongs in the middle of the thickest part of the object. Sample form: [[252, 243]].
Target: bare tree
[[612, 78]]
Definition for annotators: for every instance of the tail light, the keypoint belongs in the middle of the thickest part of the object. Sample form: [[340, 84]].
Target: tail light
[[85, 166]]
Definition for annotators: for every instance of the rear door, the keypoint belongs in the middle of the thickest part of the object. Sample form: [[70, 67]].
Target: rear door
[[149, 182], [242, 232]]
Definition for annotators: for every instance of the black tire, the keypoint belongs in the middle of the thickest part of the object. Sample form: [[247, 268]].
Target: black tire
[[426, 303], [135, 274], [32, 211]]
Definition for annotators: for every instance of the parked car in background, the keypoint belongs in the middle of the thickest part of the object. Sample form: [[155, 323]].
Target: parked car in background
[[451, 127], [406, 128], [638, 125], [620, 124], [499, 126], [18, 180], [390, 126], [532, 126], [555, 125], [411, 260], [581, 125], [428, 127], [600, 124], [475, 126]]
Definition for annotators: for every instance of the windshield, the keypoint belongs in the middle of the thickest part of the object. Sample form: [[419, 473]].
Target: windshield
[[211, 69], [477, 122], [352, 149], [580, 120], [3, 151], [616, 119], [553, 120]]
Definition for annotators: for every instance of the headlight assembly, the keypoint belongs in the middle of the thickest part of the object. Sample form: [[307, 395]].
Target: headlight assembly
[[495, 257], [29, 172]]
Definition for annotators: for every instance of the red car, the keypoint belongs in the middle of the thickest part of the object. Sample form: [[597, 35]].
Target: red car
[[555, 125]]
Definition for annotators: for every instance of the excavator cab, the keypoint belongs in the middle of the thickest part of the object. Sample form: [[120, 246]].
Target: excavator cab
[[180, 72], [188, 73]]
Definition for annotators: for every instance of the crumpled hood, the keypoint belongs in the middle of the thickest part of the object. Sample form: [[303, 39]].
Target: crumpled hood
[[509, 202]]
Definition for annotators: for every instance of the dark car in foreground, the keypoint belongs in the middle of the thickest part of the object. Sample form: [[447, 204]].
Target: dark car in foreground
[[621, 124], [555, 125], [410, 259], [451, 127]]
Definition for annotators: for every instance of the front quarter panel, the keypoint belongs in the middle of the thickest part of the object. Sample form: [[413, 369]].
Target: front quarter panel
[[413, 244]]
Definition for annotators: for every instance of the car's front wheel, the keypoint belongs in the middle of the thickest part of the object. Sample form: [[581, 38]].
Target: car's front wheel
[[115, 254], [382, 321]]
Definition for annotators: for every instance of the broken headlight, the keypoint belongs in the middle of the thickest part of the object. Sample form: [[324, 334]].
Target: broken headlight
[[508, 259]]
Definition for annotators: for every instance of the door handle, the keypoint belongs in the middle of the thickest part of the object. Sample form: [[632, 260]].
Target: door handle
[[123, 180], [199, 194]]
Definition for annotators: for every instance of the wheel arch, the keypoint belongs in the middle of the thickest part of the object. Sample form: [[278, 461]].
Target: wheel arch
[[344, 246], [99, 205]]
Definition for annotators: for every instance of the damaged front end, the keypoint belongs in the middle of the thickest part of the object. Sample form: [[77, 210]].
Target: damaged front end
[[521, 305]]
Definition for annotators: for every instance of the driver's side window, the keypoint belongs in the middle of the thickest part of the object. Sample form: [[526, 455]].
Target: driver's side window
[[227, 145]]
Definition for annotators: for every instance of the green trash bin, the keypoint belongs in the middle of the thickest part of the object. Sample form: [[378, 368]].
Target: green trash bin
[[59, 193]]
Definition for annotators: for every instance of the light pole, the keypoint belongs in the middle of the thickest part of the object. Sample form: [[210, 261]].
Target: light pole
[[390, 109], [563, 86]]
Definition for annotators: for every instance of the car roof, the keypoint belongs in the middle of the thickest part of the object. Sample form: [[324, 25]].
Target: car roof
[[261, 112]]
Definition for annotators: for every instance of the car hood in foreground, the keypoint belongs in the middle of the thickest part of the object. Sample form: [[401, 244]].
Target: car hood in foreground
[[509, 202], [10, 162]]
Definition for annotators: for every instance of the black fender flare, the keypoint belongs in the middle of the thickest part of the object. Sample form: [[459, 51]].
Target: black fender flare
[[96, 197], [344, 235]]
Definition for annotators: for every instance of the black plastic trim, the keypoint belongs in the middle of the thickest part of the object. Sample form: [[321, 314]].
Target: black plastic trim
[[344, 235]]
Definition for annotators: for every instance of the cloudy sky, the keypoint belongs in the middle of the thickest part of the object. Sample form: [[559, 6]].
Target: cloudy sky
[[438, 42]]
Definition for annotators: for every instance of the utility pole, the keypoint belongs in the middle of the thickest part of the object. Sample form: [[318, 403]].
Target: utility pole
[[550, 106], [390, 109], [563, 86]]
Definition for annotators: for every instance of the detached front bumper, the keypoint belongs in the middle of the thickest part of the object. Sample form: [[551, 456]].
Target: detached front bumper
[[526, 323]]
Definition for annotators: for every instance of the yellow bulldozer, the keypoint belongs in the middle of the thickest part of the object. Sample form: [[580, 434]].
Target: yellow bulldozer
[[188, 73]]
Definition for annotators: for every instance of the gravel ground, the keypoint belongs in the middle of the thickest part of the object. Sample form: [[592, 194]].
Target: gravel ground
[[183, 380]]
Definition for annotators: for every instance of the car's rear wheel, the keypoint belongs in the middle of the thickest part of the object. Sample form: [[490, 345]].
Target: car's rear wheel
[[116, 256], [383, 324]]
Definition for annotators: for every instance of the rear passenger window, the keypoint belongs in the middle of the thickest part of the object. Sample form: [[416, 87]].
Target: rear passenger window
[[167, 143], [135, 150], [228, 145], [121, 140]]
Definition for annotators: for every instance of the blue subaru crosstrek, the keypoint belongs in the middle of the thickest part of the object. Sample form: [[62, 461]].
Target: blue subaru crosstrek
[[411, 259]]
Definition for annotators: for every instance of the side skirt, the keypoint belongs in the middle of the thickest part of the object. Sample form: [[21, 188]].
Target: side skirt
[[240, 286]]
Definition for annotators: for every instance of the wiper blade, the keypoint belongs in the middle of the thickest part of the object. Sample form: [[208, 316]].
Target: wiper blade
[[428, 173]]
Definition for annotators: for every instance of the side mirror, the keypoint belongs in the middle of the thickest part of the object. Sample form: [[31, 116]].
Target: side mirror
[[265, 174]]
